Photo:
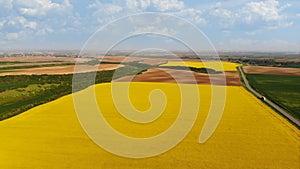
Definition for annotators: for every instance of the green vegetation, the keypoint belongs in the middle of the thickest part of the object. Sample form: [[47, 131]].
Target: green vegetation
[[194, 69], [20, 93], [283, 90], [11, 68], [10, 63], [264, 62], [97, 61]]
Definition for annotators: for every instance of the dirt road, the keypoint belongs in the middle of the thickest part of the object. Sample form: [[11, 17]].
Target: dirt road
[[269, 102]]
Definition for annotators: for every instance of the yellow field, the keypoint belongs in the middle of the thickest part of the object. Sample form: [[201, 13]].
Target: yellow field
[[218, 66], [250, 134]]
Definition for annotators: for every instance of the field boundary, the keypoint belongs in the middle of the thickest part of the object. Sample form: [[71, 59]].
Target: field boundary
[[274, 106]]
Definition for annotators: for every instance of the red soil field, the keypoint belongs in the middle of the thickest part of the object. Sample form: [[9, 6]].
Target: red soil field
[[272, 70], [183, 76]]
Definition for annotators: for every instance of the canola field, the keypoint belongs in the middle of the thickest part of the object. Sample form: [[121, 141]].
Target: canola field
[[250, 134], [218, 66]]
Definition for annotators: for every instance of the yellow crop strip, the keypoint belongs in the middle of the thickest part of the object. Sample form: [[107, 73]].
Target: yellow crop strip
[[250, 134], [218, 66]]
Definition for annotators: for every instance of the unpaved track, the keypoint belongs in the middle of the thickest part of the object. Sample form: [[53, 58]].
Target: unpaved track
[[273, 105]]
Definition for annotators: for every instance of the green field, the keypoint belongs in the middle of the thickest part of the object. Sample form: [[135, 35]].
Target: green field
[[14, 68], [22, 92], [11, 63], [283, 90]]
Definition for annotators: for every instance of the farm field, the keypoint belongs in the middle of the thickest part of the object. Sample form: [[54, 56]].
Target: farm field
[[180, 71], [250, 134], [40, 59], [18, 64], [272, 70], [50, 65], [182, 76], [224, 66], [57, 85], [20, 93], [282, 89], [149, 84], [59, 70]]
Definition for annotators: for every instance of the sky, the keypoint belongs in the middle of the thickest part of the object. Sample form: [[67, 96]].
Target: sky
[[230, 25]]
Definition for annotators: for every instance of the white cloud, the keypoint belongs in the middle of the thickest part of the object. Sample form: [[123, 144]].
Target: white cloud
[[281, 24], [230, 18], [226, 32], [132, 4], [275, 45], [2, 23], [105, 8], [138, 5], [192, 14], [223, 13], [31, 25], [37, 7], [252, 33], [41, 7], [267, 10], [44, 31], [267, 14], [197, 19], [189, 12], [111, 9], [153, 29], [158, 5], [21, 22], [6, 3], [12, 36], [28, 18], [26, 24], [144, 4], [29, 11], [106, 12], [166, 5]]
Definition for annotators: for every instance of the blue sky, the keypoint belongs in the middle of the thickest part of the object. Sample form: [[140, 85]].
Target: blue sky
[[231, 25]]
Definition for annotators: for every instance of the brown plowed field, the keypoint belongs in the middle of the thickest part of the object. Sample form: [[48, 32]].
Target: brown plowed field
[[272, 70], [144, 60], [183, 76]]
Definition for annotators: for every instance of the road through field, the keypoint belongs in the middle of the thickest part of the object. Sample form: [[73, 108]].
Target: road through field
[[275, 106]]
